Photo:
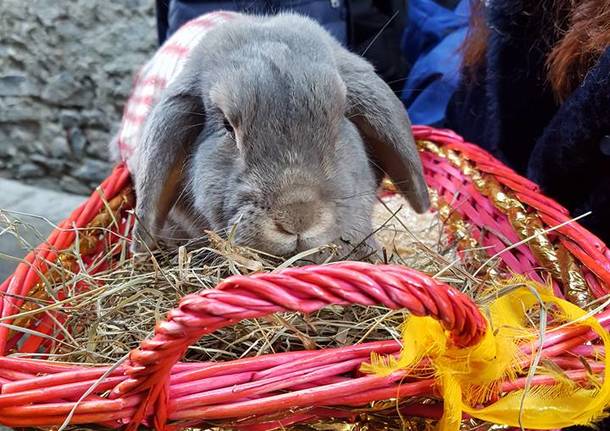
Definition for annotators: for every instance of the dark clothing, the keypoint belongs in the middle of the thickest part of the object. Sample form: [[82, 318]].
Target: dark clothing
[[369, 27], [331, 14], [509, 109], [571, 160], [375, 30]]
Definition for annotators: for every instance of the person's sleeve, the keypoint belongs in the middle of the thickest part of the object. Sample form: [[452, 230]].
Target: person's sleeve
[[431, 44]]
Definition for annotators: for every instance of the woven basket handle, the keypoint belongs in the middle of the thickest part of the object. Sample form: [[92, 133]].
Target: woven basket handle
[[305, 289]]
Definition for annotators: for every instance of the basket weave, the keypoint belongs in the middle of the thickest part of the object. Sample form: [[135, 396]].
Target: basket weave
[[484, 205]]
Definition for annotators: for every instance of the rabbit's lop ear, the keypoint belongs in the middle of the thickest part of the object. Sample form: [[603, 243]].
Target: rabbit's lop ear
[[167, 137], [384, 126]]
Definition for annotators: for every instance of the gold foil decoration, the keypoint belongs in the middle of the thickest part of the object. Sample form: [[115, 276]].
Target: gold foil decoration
[[64, 265], [372, 424], [570, 274], [461, 231], [559, 263], [453, 222], [383, 421], [111, 211], [55, 274]]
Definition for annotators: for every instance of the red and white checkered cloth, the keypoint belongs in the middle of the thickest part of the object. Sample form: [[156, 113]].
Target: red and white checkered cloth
[[157, 74]]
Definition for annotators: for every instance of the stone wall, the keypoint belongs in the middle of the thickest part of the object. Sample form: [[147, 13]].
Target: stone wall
[[65, 71]]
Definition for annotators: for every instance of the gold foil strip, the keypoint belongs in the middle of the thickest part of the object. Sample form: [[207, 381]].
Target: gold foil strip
[[370, 423], [104, 219], [462, 232], [39, 293], [65, 261], [383, 421], [559, 263], [453, 222], [570, 273]]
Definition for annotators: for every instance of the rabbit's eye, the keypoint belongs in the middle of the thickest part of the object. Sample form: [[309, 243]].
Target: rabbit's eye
[[228, 127]]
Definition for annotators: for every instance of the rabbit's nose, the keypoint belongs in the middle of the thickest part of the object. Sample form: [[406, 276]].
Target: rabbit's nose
[[303, 213], [298, 217]]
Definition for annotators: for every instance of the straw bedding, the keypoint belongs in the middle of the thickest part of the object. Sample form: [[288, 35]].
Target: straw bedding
[[122, 305], [118, 307]]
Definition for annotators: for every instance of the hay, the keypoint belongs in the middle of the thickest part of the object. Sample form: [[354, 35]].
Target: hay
[[107, 322], [122, 306]]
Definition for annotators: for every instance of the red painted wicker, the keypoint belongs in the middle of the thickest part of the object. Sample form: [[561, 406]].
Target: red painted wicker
[[153, 388]]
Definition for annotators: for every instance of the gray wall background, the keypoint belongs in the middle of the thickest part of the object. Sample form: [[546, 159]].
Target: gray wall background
[[66, 67]]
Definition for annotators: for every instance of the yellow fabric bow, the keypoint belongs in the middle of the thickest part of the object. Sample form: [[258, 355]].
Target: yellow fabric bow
[[469, 377]]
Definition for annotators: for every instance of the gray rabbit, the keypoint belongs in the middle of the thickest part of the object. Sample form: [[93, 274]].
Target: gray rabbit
[[272, 129]]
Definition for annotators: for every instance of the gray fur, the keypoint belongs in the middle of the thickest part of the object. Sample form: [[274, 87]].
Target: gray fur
[[315, 128]]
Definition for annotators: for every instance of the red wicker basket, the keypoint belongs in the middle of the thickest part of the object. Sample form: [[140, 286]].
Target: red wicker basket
[[483, 204]]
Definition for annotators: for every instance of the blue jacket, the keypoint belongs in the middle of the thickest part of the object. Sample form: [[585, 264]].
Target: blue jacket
[[431, 45]]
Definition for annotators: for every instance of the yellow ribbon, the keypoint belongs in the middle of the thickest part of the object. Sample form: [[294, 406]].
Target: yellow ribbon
[[469, 377]]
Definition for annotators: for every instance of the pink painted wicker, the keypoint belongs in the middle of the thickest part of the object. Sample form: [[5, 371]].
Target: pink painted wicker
[[268, 392]]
